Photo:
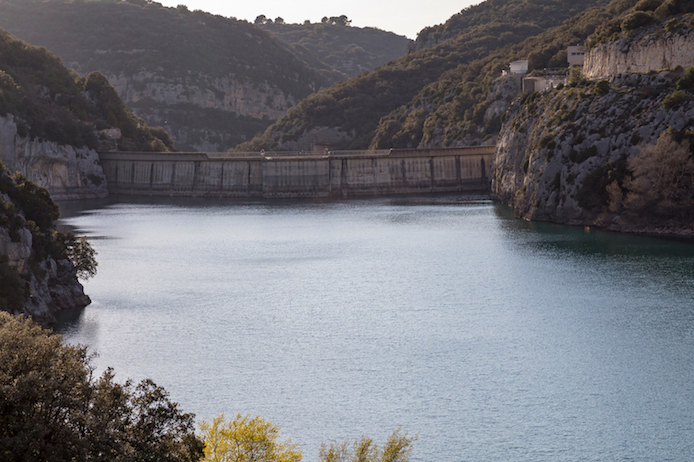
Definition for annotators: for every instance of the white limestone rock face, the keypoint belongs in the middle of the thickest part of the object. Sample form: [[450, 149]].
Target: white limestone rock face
[[645, 52], [556, 147], [65, 171]]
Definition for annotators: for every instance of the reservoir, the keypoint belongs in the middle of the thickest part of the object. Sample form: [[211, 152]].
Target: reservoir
[[488, 337]]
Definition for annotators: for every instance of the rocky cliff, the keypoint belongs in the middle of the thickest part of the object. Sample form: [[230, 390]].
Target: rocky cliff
[[651, 49], [567, 155], [36, 278], [66, 171]]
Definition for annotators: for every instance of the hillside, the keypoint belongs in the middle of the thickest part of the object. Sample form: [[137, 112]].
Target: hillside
[[544, 14], [347, 115], [614, 153], [52, 121], [348, 50], [211, 81]]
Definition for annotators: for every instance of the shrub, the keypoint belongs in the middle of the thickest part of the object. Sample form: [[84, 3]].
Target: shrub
[[675, 98], [636, 20], [687, 81], [576, 78], [593, 192], [602, 87], [672, 25], [647, 5]]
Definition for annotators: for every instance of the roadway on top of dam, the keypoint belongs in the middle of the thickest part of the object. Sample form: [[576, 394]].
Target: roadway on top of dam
[[216, 156]]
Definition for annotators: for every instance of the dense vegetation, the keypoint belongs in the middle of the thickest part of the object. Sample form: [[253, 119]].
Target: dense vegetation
[[543, 13], [26, 206], [127, 37], [50, 102], [348, 50], [168, 54], [53, 408], [452, 110], [357, 106]]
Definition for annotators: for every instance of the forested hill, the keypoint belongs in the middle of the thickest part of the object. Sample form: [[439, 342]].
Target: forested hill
[[48, 101], [347, 115], [349, 50], [212, 81], [543, 13]]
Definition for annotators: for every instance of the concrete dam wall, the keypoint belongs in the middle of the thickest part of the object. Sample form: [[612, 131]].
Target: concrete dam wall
[[293, 175]]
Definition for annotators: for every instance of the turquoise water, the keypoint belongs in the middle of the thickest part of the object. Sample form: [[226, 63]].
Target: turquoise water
[[490, 338]]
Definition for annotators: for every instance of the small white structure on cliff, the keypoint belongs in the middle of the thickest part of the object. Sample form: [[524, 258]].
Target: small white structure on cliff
[[519, 67], [542, 82], [575, 55]]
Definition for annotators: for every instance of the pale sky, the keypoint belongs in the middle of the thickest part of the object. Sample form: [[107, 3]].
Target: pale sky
[[404, 17]]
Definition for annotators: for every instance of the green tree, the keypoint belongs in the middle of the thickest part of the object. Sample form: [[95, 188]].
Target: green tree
[[80, 253], [398, 448], [246, 439], [52, 409]]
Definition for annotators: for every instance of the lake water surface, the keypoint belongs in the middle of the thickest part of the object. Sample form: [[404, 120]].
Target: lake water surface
[[490, 338]]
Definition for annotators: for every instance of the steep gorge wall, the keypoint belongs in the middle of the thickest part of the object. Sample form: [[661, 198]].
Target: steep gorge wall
[[258, 100], [559, 150], [65, 171], [642, 53]]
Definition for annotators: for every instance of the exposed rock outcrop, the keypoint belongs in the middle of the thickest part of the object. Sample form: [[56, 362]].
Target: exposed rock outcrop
[[43, 286], [559, 150], [65, 171], [651, 50], [258, 100]]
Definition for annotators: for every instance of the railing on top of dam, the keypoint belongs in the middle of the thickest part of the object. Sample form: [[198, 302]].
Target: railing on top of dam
[[298, 174], [202, 156]]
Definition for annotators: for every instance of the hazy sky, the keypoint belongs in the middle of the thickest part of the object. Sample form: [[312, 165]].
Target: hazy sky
[[404, 17]]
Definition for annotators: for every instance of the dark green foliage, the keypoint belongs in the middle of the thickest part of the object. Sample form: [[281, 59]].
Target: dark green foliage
[[79, 252], [593, 193], [334, 47], [672, 25], [576, 77], [449, 81], [50, 103], [675, 98], [14, 290], [647, 5], [544, 13], [30, 207], [35, 202], [636, 20], [146, 37], [686, 82], [51, 407], [602, 87]]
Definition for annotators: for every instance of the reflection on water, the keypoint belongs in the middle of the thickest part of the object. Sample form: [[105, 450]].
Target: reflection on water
[[489, 337]]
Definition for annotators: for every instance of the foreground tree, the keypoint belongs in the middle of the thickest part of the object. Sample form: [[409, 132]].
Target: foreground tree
[[246, 440], [398, 448], [51, 407]]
